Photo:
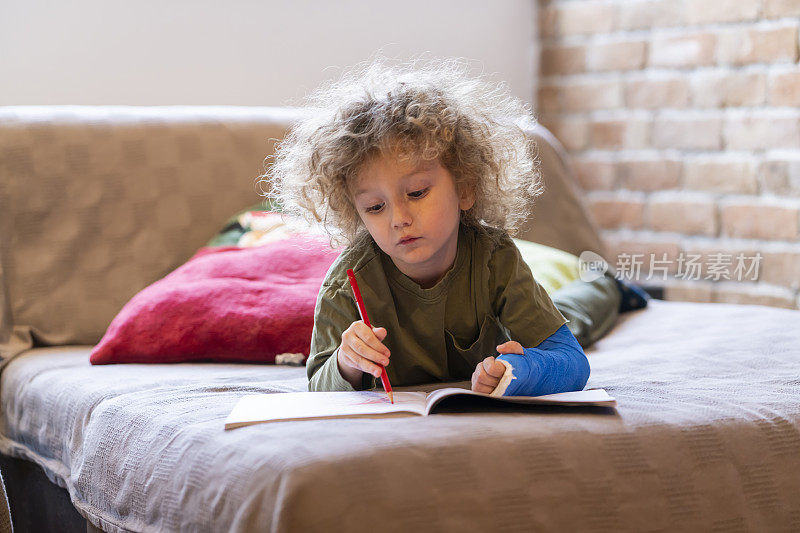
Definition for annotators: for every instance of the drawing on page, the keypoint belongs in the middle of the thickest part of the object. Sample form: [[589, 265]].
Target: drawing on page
[[374, 397]]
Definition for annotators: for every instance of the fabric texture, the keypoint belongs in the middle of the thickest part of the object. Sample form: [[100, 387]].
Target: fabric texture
[[247, 225], [558, 364], [632, 297], [559, 218], [98, 202], [225, 304], [591, 307], [706, 437], [435, 334], [552, 268]]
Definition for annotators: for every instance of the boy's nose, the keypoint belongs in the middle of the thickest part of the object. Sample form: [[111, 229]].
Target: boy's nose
[[401, 217]]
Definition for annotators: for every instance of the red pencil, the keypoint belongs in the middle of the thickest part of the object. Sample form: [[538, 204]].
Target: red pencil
[[363, 312]]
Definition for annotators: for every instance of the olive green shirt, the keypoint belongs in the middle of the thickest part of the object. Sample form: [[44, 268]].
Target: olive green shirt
[[438, 334]]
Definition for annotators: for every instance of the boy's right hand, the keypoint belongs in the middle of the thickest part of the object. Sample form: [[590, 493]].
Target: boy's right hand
[[362, 349]]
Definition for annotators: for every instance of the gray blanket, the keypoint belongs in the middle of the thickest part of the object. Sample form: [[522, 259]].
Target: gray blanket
[[706, 437]]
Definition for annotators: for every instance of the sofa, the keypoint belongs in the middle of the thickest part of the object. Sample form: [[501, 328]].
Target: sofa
[[97, 203]]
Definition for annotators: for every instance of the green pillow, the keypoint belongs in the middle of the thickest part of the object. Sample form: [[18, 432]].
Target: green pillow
[[552, 268], [232, 231], [590, 307]]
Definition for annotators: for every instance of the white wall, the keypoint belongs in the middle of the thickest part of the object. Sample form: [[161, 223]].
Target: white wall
[[242, 52]]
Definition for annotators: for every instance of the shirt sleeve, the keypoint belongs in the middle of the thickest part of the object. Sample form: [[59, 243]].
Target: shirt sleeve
[[521, 304], [334, 312]]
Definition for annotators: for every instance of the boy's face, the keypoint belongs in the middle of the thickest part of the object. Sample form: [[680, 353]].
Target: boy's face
[[412, 210]]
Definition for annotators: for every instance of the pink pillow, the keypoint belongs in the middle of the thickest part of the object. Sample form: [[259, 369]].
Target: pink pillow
[[225, 304]]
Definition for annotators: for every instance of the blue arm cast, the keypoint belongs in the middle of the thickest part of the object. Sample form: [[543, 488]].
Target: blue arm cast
[[557, 364]]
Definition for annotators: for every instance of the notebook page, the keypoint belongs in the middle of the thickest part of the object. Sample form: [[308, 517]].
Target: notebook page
[[306, 405], [589, 397]]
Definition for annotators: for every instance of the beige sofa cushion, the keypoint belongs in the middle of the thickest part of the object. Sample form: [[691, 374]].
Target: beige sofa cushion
[[559, 217], [99, 202], [96, 203]]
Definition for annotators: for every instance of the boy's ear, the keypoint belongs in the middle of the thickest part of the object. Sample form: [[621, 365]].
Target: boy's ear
[[466, 197]]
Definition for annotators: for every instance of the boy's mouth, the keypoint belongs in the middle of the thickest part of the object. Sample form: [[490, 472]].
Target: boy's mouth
[[407, 240]]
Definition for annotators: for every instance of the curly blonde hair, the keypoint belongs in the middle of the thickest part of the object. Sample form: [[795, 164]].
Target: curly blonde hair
[[415, 111]]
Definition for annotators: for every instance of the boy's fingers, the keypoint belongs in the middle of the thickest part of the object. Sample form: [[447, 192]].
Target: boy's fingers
[[476, 374], [510, 347], [361, 363], [494, 368], [367, 336], [489, 381], [482, 388], [380, 333], [362, 330], [368, 352], [499, 368], [483, 382]]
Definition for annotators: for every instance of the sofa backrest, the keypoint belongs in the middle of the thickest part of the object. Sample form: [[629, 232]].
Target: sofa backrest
[[96, 203], [559, 217]]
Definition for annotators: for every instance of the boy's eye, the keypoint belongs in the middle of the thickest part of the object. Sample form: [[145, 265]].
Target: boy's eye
[[374, 208], [419, 193]]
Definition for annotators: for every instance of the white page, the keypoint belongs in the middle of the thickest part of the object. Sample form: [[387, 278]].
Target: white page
[[304, 405], [590, 397]]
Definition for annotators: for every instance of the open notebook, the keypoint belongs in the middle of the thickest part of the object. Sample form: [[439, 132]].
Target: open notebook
[[259, 408]]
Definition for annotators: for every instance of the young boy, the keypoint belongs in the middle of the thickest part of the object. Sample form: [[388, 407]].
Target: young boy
[[424, 172]]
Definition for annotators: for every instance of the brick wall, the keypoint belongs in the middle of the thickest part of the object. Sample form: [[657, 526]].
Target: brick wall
[[683, 122]]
